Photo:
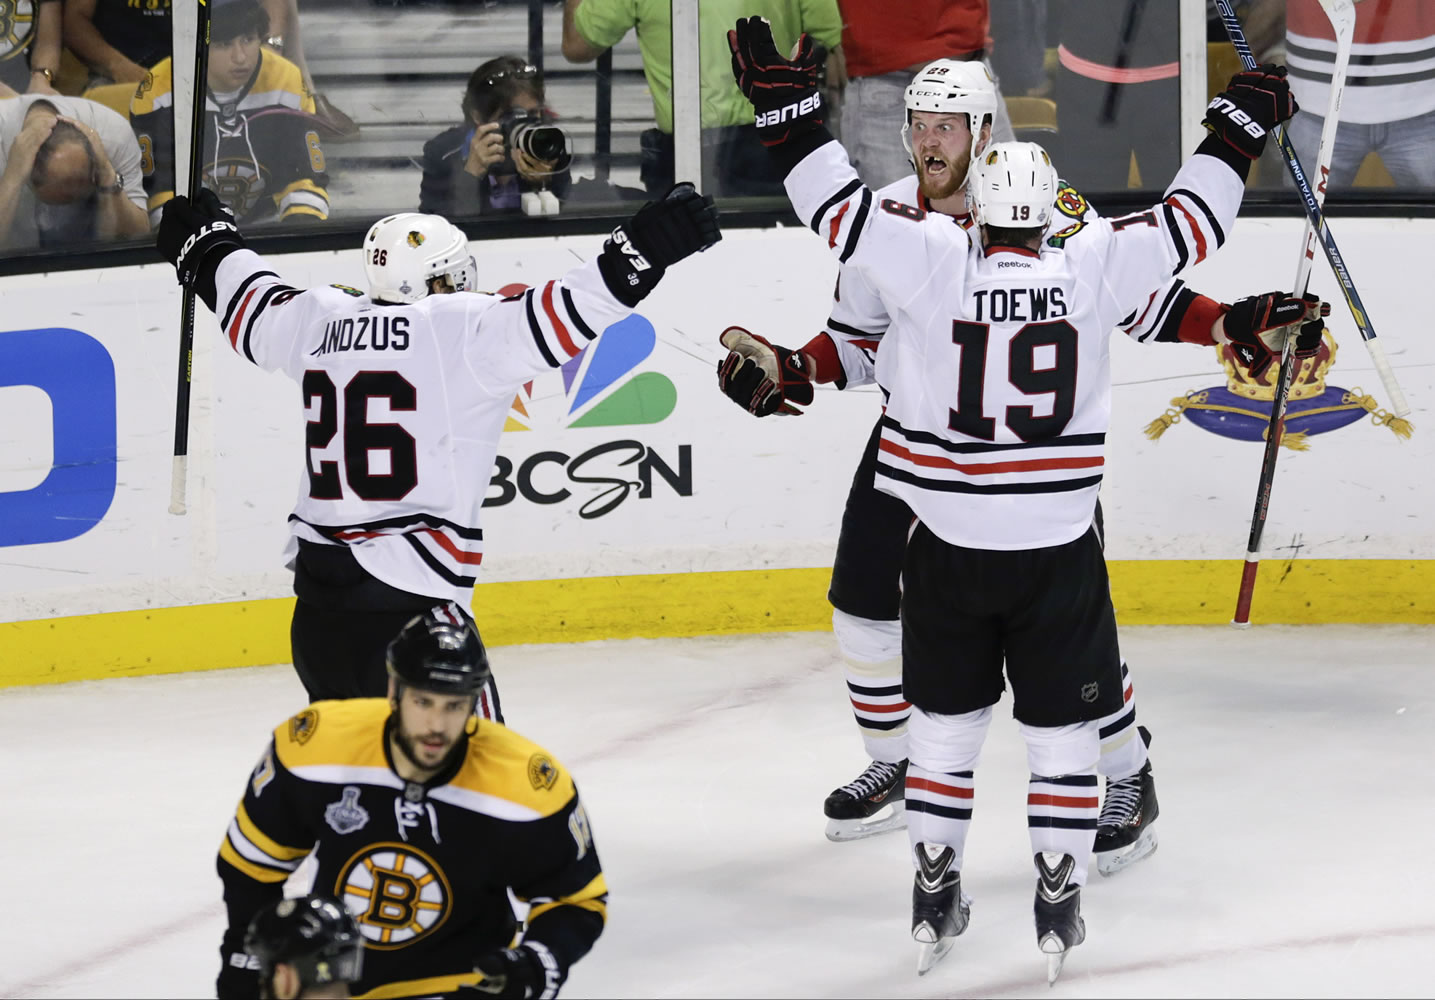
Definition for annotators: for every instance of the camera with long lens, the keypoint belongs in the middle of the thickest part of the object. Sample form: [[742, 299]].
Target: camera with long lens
[[540, 139]]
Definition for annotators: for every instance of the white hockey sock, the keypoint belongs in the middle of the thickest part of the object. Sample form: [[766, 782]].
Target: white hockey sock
[[1123, 751], [1061, 817], [872, 668], [939, 809]]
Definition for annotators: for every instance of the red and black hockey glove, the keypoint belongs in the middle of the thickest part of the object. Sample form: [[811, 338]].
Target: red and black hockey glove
[[784, 92], [761, 377], [1253, 103], [1258, 325]]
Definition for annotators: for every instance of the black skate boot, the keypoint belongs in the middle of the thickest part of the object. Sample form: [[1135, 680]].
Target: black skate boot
[[1059, 926], [939, 909], [1124, 832], [873, 802]]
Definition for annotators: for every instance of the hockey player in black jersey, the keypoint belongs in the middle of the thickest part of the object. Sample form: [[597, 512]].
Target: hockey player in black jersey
[[423, 818], [993, 437], [306, 948], [388, 517]]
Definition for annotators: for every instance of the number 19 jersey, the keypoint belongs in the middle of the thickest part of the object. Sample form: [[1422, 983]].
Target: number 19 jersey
[[997, 362], [404, 405]]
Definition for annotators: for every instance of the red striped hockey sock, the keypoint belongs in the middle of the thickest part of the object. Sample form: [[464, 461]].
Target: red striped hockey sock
[[1061, 816]]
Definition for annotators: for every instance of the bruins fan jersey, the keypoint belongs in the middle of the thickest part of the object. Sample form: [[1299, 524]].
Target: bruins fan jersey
[[404, 405], [426, 869], [262, 154], [997, 363], [859, 319]]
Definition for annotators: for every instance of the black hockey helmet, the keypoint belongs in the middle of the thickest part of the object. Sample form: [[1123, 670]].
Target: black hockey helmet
[[440, 651], [315, 934]]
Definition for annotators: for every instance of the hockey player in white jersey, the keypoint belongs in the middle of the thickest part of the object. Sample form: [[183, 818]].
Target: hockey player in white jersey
[[997, 365], [405, 393], [949, 107]]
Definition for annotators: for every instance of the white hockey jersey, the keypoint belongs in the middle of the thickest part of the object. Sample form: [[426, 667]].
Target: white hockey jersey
[[859, 320], [997, 364], [404, 405]]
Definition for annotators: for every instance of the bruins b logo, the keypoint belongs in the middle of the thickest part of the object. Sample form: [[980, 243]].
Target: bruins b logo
[[398, 894]]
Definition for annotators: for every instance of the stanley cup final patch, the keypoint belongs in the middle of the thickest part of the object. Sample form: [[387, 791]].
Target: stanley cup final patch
[[346, 816]]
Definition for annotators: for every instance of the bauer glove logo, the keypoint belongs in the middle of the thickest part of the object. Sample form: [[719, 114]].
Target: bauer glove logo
[[790, 112]]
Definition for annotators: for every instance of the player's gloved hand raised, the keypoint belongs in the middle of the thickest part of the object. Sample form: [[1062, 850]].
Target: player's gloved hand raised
[[784, 92], [1253, 103], [1257, 326], [190, 233], [528, 972], [761, 377], [659, 234]]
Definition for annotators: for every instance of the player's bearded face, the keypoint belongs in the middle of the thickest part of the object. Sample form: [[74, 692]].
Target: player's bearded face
[[942, 146], [430, 725]]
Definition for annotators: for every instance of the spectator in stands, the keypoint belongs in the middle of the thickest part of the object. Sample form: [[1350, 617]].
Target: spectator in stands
[[734, 162], [30, 48], [262, 154], [1117, 92], [1388, 107], [286, 39], [885, 45], [471, 169], [69, 173], [120, 40]]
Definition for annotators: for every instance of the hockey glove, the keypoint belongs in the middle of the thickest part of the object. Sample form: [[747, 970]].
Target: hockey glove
[[239, 977], [195, 236], [662, 232], [1256, 328], [528, 972], [761, 377], [1253, 103], [783, 92]]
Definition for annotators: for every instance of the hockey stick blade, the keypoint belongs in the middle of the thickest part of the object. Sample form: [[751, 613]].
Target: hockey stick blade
[[1334, 9]]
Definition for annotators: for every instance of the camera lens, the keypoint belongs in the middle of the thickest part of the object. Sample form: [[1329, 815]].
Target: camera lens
[[542, 142]]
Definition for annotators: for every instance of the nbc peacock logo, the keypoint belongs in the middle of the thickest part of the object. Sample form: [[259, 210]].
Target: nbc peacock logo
[[601, 385]]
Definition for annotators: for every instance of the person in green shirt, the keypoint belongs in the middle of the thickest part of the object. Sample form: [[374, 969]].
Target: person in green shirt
[[734, 162]]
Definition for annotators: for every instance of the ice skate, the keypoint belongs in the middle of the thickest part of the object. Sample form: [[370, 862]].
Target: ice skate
[[940, 910], [1059, 926], [1124, 832], [872, 803]]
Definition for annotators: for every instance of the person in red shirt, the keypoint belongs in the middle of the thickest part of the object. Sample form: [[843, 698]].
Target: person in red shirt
[[885, 45]]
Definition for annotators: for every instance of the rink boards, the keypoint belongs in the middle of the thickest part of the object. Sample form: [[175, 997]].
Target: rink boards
[[631, 498]]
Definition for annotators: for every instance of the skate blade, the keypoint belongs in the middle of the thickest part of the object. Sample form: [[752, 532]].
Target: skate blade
[[931, 953], [840, 831], [1053, 967], [1119, 860]]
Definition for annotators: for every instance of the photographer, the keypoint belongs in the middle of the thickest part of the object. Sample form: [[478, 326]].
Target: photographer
[[507, 157]]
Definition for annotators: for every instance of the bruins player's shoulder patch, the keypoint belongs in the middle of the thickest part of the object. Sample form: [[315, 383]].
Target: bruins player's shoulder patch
[[1070, 202], [349, 290], [542, 772], [146, 85], [303, 726]]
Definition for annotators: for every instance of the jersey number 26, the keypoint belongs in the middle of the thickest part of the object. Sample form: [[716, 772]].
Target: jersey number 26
[[361, 438]]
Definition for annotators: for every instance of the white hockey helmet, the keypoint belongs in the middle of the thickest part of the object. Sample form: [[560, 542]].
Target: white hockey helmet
[[403, 252], [1013, 185], [954, 87]]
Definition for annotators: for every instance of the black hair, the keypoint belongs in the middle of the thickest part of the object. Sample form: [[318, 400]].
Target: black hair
[[1013, 236], [494, 85], [233, 20], [63, 134]]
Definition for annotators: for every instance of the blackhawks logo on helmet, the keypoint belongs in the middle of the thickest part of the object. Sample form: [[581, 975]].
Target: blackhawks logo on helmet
[[415, 237]]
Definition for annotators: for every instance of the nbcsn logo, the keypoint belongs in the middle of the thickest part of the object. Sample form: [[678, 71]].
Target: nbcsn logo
[[600, 388]]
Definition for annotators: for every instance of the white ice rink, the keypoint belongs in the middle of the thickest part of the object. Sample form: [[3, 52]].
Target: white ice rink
[[1294, 768]]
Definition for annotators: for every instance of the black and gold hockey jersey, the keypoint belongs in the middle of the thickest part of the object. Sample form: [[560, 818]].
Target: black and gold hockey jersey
[[262, 154], [425, 868]]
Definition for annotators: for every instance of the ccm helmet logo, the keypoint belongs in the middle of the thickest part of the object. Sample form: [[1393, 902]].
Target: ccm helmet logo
[[1235, 114], [790, 112]]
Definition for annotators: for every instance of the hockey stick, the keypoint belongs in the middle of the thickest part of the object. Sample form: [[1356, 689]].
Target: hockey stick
[[1132, 17], [179, 467], [1317, 218], [1342, 17]]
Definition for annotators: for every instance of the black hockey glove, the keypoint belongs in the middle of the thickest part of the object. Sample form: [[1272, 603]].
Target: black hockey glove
[[783, 92], [761, 377], [1257, 328], [239, 977], [1253, 103], [528, 972], [195, 236], [662, 232]]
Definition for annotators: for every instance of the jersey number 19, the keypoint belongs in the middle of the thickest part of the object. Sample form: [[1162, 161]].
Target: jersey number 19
[[1057, 380]]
